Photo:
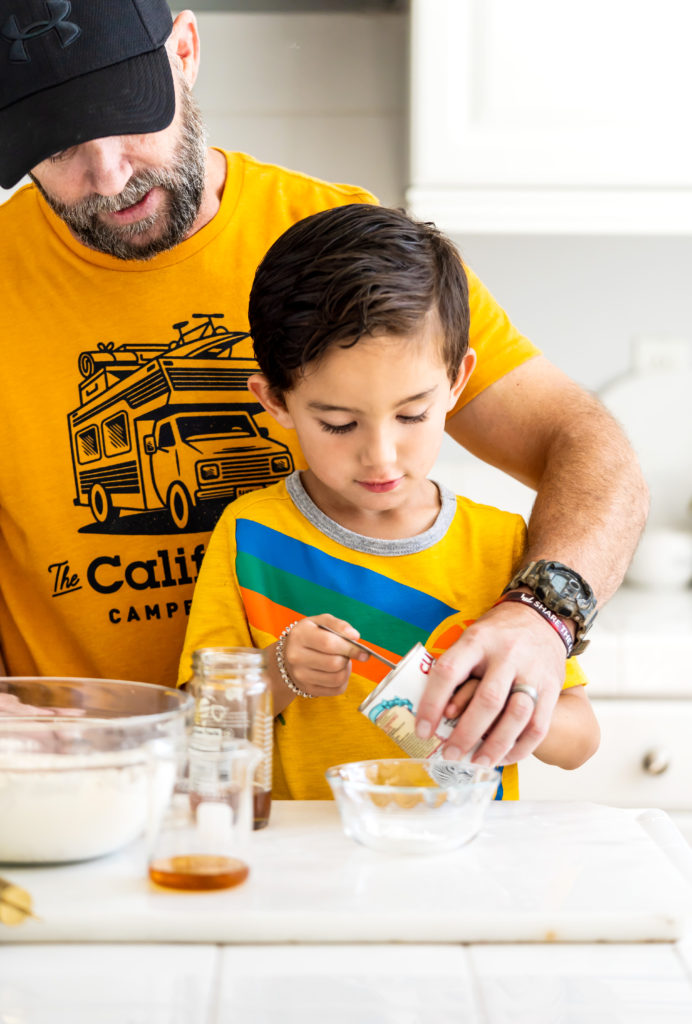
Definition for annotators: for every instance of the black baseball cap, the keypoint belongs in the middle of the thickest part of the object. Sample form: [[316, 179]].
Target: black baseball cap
[[75, 70]]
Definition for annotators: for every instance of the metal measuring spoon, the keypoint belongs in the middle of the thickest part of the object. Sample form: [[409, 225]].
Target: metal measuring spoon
[[356, 643]]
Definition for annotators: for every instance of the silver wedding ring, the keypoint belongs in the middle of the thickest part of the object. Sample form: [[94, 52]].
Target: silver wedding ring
[[530, 691]]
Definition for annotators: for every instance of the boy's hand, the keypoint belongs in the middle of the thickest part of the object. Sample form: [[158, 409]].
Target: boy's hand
[[506, 646], [461, 698], [317, 661]]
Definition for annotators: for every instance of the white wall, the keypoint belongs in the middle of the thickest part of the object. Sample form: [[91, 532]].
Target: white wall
[[322, 93], [583, 300]]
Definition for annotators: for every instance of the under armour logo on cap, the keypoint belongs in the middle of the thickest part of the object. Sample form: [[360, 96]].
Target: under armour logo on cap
[[58, 11], [75, 70]]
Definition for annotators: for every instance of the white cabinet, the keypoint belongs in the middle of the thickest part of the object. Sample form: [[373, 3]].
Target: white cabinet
[[639, 666], [556, 118], [645, 759]]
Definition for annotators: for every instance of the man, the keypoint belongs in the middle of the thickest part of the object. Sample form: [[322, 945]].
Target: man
[[126, 418]]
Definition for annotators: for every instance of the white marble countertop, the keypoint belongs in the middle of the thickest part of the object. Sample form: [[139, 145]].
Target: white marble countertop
[[538, 872]]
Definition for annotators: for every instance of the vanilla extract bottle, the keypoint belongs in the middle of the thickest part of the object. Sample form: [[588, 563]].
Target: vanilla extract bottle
[[202, 839], [202, 844]]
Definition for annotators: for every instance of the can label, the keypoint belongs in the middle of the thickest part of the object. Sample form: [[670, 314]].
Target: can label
[[393, 704]]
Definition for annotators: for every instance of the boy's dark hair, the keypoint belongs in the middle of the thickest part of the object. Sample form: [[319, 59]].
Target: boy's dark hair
[[349, 271]]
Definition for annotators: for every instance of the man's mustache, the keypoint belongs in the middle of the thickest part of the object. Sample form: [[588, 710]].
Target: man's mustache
[[135, 190]]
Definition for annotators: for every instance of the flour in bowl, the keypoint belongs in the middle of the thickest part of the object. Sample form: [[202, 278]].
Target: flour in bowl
[[63, 807]]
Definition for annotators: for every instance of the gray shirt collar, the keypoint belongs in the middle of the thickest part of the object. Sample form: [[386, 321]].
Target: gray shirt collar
[[373, 545]]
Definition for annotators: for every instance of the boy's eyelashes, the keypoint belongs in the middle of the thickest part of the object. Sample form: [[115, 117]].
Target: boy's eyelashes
[[344, 428], [336, 428], [419, 418]]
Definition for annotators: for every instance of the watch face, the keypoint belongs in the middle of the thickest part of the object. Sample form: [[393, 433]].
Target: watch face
[[562, 590], [565, 585]]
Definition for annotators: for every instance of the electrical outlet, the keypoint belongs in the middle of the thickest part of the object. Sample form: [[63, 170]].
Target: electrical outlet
[[663, 353]]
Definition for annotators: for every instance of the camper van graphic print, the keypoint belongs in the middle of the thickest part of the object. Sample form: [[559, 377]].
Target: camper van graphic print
[[168, 431]]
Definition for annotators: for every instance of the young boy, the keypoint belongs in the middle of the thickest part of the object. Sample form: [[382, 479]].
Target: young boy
[[359, 317]]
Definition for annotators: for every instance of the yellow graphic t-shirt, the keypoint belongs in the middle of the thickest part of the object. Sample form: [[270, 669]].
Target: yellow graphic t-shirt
[[275, 557], [127, 424]]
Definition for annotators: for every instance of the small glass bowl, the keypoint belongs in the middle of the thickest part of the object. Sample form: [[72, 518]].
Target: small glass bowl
[[412, 805]]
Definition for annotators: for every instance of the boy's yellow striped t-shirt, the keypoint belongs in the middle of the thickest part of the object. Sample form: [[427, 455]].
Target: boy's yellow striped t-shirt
[[275, 557]]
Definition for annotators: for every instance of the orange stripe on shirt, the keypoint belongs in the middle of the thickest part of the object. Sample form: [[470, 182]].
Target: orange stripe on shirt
[[266, 615]]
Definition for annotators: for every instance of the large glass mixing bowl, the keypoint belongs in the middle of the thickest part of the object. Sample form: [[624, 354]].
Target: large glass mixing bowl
[[85, 764]]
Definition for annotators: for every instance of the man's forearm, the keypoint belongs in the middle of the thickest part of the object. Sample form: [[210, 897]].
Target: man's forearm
[[591, 503]]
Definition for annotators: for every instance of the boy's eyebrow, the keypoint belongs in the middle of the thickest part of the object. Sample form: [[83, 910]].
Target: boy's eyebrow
[[330, 407]]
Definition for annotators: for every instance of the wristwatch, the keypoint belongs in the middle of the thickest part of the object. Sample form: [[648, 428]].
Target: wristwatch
[[563, 591]]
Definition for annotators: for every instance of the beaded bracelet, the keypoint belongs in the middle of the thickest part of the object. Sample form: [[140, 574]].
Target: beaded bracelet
[[531, 601], [279, 649]]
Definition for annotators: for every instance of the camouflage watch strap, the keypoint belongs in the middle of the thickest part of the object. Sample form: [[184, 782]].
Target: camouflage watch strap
[[562, 591]]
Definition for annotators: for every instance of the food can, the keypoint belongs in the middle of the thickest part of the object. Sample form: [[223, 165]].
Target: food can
[[393, 704]]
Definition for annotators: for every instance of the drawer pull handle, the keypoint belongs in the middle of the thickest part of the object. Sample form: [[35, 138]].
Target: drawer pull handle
[[656, 762]]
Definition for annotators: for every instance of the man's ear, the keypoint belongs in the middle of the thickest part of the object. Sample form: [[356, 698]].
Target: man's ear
[[465, 370], [183, 43], [270, 399]]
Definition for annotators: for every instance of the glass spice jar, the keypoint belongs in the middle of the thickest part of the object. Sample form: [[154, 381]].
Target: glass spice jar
[[232, 703]]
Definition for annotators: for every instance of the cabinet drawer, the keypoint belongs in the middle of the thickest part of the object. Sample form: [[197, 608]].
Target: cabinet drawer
[[644, 760]]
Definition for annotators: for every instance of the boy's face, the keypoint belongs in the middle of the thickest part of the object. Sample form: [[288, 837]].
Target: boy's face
[[370, 421]]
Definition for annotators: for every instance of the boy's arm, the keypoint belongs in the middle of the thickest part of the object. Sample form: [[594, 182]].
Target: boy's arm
[[574, 733], [539, 426]]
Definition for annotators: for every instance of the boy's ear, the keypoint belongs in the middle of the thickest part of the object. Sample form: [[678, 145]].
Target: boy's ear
[[272, 402], [465, 370]]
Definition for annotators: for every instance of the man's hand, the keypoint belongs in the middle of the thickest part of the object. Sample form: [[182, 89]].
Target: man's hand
[[12, 707], [35, 738], [510, 644]]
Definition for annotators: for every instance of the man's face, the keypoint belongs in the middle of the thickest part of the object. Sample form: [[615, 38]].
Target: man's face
[[155, 209]]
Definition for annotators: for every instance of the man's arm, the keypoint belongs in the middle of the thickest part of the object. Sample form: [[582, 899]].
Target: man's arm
[[542, 428]]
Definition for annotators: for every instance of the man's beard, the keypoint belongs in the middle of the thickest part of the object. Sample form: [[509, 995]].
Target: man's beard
[[183, 184]]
